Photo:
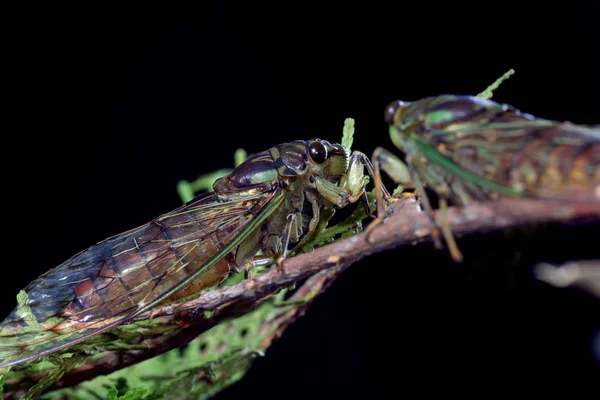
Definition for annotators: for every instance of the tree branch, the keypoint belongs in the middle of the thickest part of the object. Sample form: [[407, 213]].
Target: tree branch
[[404, 225]]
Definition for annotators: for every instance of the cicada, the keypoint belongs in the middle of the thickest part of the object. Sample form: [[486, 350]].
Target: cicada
[[467, 149], [271, 202]]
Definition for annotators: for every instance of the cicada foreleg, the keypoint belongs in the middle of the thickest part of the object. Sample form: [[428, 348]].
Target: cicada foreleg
[[406, 175], [396, 170], [352, 185]]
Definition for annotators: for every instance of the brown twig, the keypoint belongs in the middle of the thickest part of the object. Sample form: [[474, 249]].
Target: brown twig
[[404, 226]]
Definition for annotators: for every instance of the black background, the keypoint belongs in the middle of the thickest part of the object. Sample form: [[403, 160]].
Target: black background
[[103, 118]]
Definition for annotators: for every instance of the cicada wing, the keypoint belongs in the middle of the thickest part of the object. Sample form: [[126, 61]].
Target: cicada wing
[[518, 155], [107, 284]]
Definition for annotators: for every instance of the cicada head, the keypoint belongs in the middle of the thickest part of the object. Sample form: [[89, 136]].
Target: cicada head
[[328, 160], [289, 160], [394, 116], [314, 157], [439, 115]]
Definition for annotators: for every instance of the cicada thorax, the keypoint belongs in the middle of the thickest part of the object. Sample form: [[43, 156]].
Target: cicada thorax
[[292, 167], [481, 150]]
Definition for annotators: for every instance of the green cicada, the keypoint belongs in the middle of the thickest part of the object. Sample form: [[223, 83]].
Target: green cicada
[[271, 202], [467, 149]]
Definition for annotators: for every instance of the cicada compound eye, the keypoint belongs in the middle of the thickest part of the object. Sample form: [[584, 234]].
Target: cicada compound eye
[[318, 152], [391, 109]]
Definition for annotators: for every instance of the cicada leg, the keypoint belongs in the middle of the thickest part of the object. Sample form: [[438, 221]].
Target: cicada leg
[[352, 186], [258, 261], [291, 233], [447, 232], [396, 170], [406, 175], [445, 227], [293, 230], [278, 245]]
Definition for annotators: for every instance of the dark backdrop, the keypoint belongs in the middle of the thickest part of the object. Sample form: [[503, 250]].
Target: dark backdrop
[[103, 118]]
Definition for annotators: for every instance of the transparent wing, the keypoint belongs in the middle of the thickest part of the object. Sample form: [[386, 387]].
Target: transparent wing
[[105, 285], [518, 152]]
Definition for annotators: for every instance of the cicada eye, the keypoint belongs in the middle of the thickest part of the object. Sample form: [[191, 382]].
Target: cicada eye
[[318, 152], [391, 109]]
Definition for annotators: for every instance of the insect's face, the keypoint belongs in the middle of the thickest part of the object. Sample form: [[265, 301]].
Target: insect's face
[[328, 160], [395, 117]]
